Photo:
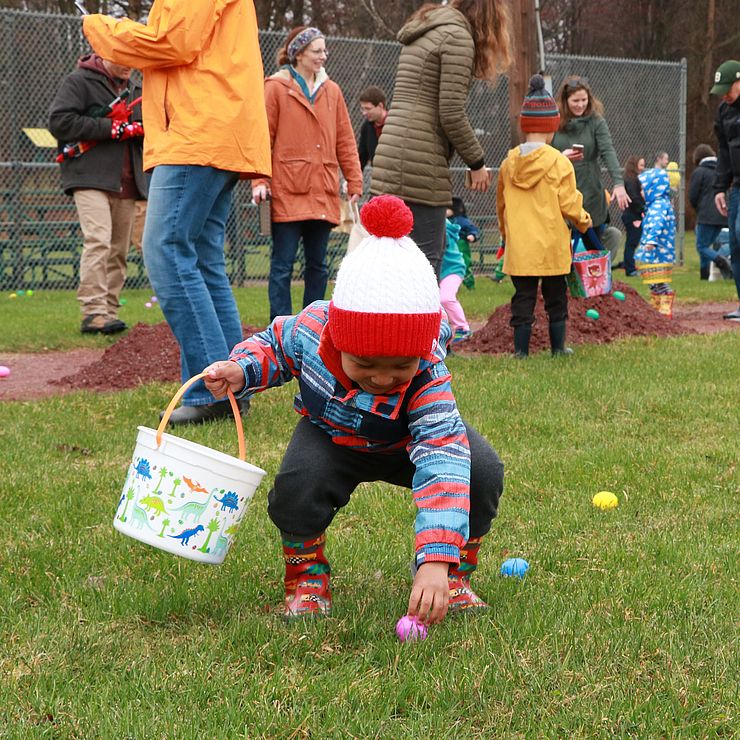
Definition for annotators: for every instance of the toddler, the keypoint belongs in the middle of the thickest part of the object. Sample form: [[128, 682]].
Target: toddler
[[536, 191], [376, 404], [656, 254]]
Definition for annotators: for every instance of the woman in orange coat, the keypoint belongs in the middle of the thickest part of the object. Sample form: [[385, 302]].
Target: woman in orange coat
[[312, 138]]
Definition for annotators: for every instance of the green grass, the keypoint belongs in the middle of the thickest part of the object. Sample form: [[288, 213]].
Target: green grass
[[626, 626], [50, 320]]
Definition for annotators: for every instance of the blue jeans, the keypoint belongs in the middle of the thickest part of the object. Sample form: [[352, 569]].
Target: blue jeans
[[733, 221], [706, 237], [285, 238], [184, 256]]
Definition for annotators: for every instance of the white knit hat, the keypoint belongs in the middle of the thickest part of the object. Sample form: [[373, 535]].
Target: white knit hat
[[386, 297]]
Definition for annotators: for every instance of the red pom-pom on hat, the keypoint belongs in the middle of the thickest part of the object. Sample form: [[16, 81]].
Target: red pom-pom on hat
[[387, 215]]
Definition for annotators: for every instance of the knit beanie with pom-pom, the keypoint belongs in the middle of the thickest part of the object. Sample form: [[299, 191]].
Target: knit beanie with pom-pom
[[539, 111], [386, 297]]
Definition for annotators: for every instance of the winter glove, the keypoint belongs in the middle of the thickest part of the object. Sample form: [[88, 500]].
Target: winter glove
[[118, 111], [122, 130], [133, 129]]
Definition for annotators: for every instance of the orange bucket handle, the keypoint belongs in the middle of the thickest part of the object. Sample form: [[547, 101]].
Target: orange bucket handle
[[234, 407]]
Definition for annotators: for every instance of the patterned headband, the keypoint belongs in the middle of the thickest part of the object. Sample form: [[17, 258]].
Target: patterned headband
[[301, 41]]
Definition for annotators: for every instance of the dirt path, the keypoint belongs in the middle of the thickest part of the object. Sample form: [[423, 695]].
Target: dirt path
[[148, 352]]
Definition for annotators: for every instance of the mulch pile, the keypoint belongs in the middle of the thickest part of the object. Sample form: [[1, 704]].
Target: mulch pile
[[633, 317], [147, 353]]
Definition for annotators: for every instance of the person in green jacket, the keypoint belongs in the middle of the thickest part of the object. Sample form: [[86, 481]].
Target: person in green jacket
[[584, 138], [443, 48]]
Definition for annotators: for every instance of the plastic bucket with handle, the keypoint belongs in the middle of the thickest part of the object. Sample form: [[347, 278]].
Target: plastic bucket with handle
[[185, 498]]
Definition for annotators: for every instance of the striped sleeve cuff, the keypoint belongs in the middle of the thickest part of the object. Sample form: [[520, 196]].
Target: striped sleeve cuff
[[438, 553]]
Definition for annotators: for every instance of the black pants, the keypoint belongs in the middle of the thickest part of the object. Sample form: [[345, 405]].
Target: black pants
[[633, 239], [554, 291], [317, 478], [430, 231]]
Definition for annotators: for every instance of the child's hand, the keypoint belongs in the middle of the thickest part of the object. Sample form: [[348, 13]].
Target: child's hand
[[430, 593], [470, 237], [223, 375]]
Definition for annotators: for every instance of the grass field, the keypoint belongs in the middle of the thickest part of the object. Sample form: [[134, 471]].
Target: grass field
[[626, 625]]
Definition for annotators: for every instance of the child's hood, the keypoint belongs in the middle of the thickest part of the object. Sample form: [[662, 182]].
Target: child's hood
[[528, 169]]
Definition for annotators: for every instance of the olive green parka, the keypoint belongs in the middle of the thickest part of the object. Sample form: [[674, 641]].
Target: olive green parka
[[427, 121]]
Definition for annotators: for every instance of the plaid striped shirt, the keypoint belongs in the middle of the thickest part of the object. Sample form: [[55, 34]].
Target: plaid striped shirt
[[421, 417]]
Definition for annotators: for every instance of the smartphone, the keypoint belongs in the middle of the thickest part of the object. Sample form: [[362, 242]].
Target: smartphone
[[80, 5], [265, 217], [577, 147]]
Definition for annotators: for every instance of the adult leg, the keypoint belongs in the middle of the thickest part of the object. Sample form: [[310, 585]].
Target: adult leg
[[630, 244], [94, 213], [522, 312], [733, 222], [285, 237], [123, 211], [706, 235], [316, 274], [212, 265], [185, 210], [430, 231]]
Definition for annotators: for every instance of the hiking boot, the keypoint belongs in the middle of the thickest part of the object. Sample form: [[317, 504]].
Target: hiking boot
[[93, 324], [113, 326], [207, 412]]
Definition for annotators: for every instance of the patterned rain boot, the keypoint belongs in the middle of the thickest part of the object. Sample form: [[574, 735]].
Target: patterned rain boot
[[462, 597], [655, 300], [307, 577], [665, 306]]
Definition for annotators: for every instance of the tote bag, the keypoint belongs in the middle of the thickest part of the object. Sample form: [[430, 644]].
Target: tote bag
[[358, 231], [591, 271]]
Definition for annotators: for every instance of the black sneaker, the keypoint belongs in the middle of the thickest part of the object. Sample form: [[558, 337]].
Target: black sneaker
[[725, 267]]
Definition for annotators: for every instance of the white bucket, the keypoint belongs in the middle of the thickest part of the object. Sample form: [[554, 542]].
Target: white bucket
[[185, 498]]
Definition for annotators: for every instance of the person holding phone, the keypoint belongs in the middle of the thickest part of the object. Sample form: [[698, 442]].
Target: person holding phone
[[444, 47], [584, 138]]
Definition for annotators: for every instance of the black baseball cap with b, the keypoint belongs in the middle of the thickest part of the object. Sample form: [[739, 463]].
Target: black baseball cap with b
[[727, 74]]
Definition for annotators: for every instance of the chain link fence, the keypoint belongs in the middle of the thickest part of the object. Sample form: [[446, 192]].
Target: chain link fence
[[40, 240]]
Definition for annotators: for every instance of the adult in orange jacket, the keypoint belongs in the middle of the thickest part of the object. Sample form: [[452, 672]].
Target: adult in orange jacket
[[206, 126], [311, 136]]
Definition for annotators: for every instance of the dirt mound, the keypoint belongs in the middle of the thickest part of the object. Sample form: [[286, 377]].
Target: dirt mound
[[632, 317], [147, 353]]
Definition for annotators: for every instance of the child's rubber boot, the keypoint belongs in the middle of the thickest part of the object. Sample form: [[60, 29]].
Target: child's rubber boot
[[665, 306], [462, 597], [557, 340], [307, 577], [655, 300], [522, 335]]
